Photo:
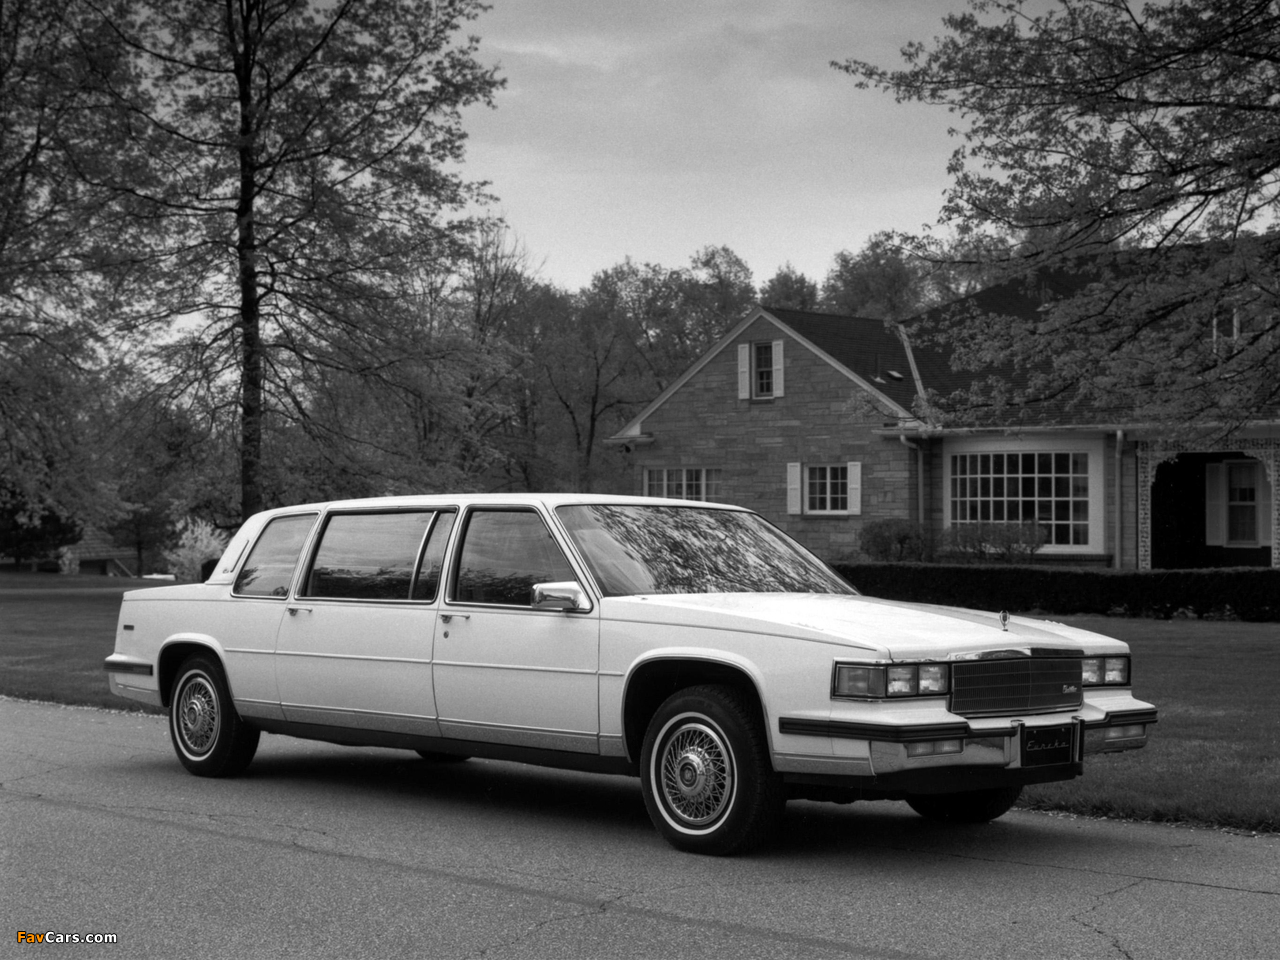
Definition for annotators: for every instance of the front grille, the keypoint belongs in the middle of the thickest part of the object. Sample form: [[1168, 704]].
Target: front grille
[[993, 688]]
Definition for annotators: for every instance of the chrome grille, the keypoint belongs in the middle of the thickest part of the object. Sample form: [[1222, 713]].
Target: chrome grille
[[993, 688]]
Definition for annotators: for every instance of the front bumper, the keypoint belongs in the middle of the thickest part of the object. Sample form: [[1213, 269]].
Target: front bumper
[[895, 759]]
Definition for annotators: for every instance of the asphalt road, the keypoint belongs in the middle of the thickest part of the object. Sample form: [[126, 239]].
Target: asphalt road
[[326, 851]]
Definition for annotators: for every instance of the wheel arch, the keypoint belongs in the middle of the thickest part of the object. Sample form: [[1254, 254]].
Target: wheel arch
[[651, 682], [175, 652]]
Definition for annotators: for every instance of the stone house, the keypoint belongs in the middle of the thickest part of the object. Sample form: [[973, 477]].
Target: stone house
[[811, 419]]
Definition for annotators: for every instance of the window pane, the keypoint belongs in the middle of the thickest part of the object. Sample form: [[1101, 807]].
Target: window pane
[[504, 553], [653, 483], [269, 569], [712, 484], [675, 484], [693, 484], [428, 581], [368, 556], [1242, 523], [764, 369]]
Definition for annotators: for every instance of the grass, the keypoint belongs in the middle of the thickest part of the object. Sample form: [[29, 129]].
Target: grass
[[1214, 757], [55, 631]]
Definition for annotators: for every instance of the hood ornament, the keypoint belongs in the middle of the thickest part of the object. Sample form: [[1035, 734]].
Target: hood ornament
[[1004, 620]]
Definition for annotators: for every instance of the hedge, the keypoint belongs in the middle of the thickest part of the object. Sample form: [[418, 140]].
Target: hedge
[[1232, 593]]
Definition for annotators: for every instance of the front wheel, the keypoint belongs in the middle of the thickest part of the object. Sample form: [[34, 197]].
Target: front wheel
[[708, 784], [208, 735], [972, 806]]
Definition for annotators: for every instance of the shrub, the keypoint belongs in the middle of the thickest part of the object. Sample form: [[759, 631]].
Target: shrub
[[198, 542], [1244, 593], [895, 540], [1008, 542]]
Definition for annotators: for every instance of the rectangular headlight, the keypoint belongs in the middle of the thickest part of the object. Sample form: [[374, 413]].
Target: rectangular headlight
[[933, 678], [902, 681], [853, 680], [1109, 671], [1116, 670]]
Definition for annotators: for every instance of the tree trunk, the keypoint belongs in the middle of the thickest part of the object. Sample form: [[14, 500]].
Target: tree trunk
[[251, 372]]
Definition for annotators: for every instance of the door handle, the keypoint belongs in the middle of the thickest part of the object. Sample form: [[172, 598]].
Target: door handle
[[293, 611], [448, 617]]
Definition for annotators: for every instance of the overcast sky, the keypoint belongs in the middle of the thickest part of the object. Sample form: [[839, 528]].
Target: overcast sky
[[652, 128]]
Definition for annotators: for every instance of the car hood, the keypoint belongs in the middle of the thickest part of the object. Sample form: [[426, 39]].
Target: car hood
[[887, 628]]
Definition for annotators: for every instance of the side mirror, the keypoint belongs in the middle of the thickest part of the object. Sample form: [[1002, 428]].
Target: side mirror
[[567, 596]]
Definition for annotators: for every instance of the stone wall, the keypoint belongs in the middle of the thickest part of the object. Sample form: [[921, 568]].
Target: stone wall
[[821, 418]]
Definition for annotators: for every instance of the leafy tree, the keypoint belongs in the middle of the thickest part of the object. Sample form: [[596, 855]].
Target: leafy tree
[[882, 281], [23, 537], [1137, 145], [790, 289], [285, 166], [50, 222]]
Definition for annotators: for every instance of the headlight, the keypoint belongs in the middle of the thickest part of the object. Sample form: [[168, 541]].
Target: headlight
[[1108, 671], [855, 681]]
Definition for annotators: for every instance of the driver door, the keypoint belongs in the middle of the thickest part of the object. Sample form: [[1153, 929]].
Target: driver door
[[505, 672]]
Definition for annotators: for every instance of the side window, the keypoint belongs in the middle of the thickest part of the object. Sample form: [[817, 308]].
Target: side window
[[428, 582], [269, 569], [367, 556], [503, 554]]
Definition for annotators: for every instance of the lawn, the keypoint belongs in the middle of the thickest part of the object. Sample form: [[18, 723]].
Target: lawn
[[1214, 757]]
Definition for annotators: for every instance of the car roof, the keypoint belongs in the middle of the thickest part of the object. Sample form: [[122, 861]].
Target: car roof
[[550, 500]]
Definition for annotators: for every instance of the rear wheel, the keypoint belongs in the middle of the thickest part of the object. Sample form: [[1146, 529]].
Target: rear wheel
[[708, 783], [973, 806], [208, 735]]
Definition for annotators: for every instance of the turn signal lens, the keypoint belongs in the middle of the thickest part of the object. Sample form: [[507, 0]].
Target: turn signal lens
[[1130, 731], [902, 681], [932, 748], [1117, 670], [1091, 671]]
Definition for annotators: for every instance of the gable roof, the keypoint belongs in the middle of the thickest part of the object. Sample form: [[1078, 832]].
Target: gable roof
[[870, 354], [872, 349]]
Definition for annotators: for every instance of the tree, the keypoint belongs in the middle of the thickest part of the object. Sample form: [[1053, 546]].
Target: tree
[[789, 289], [51, 357], [285, 166], [1139, 147], [881, 281]]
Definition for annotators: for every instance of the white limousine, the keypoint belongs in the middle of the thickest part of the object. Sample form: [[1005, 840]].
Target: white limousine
[[691, 644]]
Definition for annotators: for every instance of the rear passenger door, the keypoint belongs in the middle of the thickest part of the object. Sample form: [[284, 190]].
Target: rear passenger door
[[505, 672], [355, 647]]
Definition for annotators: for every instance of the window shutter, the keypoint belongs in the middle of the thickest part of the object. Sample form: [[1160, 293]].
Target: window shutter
[[1215, 505], [793, 488], [744, 371], [1266, 503], [855, 487], [777, 368]]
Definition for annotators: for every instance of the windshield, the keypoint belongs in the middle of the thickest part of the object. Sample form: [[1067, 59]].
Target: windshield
[[657, 549]]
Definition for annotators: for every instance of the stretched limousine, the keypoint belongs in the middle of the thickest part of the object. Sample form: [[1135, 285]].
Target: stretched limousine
[[691, 644]]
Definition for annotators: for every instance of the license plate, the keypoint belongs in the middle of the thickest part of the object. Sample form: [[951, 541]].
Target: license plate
[[1045, 745]]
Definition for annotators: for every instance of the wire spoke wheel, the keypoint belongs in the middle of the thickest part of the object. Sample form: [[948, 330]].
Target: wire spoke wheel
[[198, 716], [705, 772], [697, 773], [209, 736]]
